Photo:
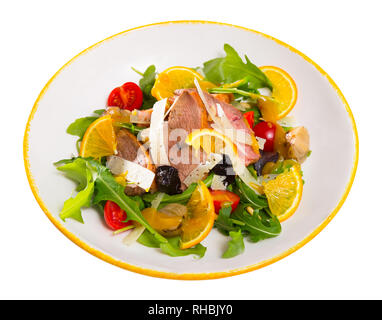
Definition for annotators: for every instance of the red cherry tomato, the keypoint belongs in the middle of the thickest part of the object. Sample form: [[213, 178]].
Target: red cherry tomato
[[267, 131], [221, 197], [115, 216], [250, 117], [128, 96]]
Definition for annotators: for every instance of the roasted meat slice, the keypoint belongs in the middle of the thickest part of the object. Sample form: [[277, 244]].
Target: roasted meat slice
[[129, 148], [187, 113], [248, 152]]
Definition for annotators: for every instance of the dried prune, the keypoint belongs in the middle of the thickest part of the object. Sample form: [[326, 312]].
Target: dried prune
[[224, 168], [167, 180]]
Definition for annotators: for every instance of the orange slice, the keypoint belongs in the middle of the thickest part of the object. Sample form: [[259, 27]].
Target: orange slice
[[99, 139], [284, 89], [210, 140], [175, 78], [214, 141], [284, 193], [200, 219]]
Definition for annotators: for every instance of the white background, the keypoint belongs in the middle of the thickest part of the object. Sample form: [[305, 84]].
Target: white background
[[38, 37]]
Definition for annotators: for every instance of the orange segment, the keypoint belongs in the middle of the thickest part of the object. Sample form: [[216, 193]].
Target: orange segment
[[174, 78], [99, 139], [284, 193], [200, 219], [284, 89]]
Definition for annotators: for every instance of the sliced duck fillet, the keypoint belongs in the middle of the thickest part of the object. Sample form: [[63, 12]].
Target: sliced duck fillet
[[247, 152], [187, 113], [129, 148]]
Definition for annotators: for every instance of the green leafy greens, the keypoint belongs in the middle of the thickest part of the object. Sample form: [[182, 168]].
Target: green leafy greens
[[146, 84], [249, 196], [105, 188], [171, 248], [79, 126], [258, 225], [235, 245], [231, 68]]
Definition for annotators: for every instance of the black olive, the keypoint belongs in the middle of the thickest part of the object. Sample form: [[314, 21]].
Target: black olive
[[265, 157], [167, 180], [224, 168]]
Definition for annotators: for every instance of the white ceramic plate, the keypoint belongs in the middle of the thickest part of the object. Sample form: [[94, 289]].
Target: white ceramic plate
[[83, 84]]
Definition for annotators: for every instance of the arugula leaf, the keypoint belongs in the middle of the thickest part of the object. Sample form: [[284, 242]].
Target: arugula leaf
[[235, 245], [64, 161], [171, 248], [129, 126], [148, 240], [77, 170], [146, 84], [213, 70], [79, 126], [72, 206], [248, 195], [231, 68], [105, 187], [99, 111], [258, 226], [224, 222]]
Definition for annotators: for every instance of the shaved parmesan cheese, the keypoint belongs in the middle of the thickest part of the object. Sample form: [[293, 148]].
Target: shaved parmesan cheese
[[157, 146], [133, 172], [265, 92], [218, 183], [261, 142], [144, 135], [220, 110], [117, 165], [201, 170], [133, 235]]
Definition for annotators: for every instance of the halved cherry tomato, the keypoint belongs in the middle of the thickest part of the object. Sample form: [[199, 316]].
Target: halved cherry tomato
[[222, 198], [128, 96], [250, 117], [115, 216], [267, 131]]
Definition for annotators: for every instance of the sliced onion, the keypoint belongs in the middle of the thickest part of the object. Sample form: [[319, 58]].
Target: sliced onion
[[157, 200]]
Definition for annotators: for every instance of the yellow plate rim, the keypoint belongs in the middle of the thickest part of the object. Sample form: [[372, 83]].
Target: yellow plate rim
[[189, 276]]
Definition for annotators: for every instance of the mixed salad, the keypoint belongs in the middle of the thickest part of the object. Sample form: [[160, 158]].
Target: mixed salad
[[187, 150]]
